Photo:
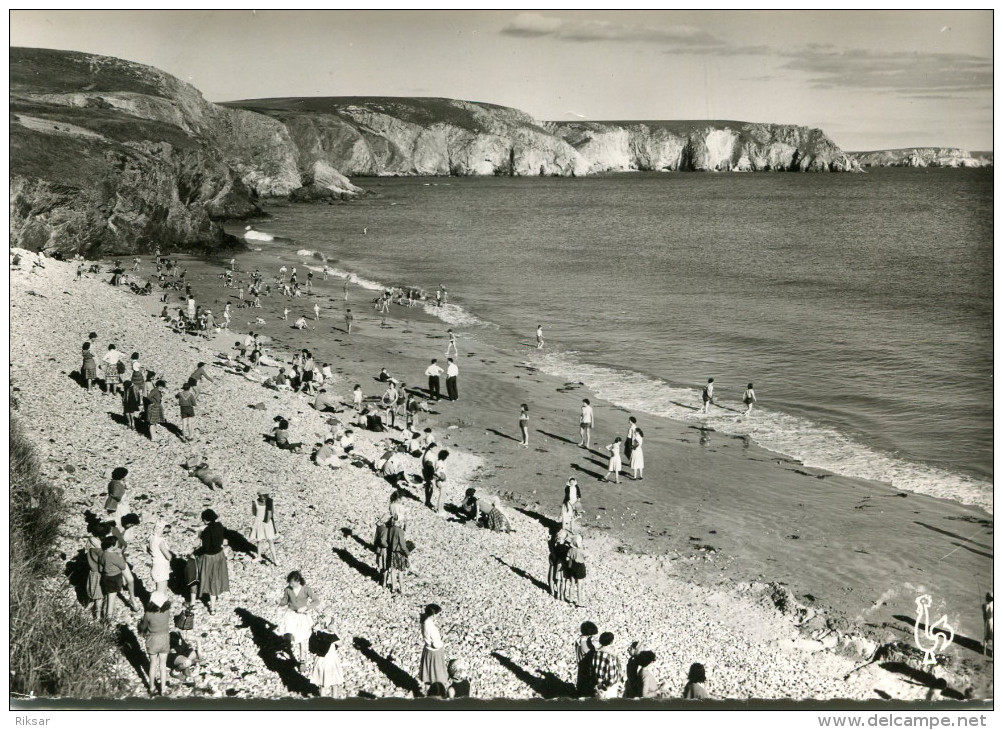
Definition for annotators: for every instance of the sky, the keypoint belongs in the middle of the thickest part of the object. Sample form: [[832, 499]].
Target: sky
[[869, 79]]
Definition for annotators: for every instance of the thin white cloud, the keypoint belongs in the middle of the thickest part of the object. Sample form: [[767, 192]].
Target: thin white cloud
[[535, 25]]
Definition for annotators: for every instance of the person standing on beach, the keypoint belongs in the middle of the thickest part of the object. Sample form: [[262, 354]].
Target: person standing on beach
[[539, 337], [433, 372], [607, 671], [524, 424], [155, 409], [296, 625], [615, 462], [428, 470], [708, 395], [214, 575], [438, 296], [357, 398], [112, 375], [433, 654], [349, 318], [226, 316], [132, 401], [748, 399], [160, 571], [987, 625], [440, 478], [263, 529], [389, 402], [576, 570], [113, 571], [452, 343], [585, 649], [316, 311], [397, 553], [637, 454], [585, 423], [451, 372], [155, 628], [89, 369], [187, 400]]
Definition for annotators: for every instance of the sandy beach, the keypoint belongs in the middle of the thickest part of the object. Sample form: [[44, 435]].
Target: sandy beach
[[701, 586]]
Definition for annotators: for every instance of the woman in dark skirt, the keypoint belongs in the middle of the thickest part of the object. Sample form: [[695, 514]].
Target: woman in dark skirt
[[214, 576], [89, 369], [155, 408], [433, 655], [132, 402]]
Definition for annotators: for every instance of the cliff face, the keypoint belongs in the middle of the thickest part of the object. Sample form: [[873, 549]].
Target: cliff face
[[111, 157], [702, 146], [923, 157], [411, 136]]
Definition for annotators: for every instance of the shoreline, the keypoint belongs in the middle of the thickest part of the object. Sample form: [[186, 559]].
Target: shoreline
[[370, 347], [821, 523]]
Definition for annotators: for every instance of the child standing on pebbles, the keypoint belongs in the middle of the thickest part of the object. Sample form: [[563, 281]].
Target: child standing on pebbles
[[327, 672], [296, 624]]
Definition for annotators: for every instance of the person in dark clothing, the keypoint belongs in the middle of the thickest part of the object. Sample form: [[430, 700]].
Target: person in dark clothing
[[214, 575]]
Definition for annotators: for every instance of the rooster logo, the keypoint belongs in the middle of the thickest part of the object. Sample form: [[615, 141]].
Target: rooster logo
[[931, 639]]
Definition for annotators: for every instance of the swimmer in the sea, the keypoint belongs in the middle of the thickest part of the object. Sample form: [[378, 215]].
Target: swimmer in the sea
[[539, 337], [749, 399]]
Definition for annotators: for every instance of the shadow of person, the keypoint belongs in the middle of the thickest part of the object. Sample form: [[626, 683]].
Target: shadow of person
[[274, 653], [364, 569], [387, 667], [556, 437], [546, 684], [523, 574], [239, 543], [496, 432], [547, 522], [133, 652], [77, 570], [118, 418], [583, 470], [960, 640]]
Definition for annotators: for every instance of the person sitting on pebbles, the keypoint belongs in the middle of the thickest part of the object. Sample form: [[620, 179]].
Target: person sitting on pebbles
[[326, 455], [459, 680], [280, 435]]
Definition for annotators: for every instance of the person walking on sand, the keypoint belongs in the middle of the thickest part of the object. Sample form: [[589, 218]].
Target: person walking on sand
[[615, 461], [328, 674], [433, 372], [263, 528], [155, 409], [524, 424], [452, 343], [160, 571], [214, 575], [433, 654], [316, 311], [539, 337], [296, 625], [155, 628], [585, 423], [748, 399], [451, 372], [607, 671], [637, 454], [349, 318], [187, 400], [708, 395]]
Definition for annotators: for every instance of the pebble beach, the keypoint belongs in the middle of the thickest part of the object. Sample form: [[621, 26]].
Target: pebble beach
[[771, 616]]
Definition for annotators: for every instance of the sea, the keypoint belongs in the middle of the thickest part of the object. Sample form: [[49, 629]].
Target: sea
[[859, 305]]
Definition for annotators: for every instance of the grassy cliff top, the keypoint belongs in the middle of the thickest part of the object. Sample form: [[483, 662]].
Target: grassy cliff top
[[47, 71]]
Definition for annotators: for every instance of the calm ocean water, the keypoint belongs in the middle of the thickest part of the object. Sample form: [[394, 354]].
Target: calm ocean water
[[861, 306]]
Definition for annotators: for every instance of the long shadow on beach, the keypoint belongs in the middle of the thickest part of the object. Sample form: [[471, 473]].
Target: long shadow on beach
[[239, 543], [546, 684], [390, 670], [556, 437], [685, 405], [583, 470], [523, 574], [496, 432], [77, 570], [924, 679], [955, 535], [271, 649], [118, 418], [128, 644], [547, 522], [960, 640], [365, 570]]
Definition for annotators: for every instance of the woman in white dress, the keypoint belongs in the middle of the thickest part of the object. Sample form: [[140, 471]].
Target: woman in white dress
[[263, 529], [162, 555], [637, 454], [615, 461]]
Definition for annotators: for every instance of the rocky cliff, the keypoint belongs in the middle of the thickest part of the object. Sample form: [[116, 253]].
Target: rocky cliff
[[109, 157], [418, 136], [412, 136], [923, 157], [701, 146]]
